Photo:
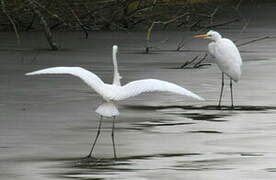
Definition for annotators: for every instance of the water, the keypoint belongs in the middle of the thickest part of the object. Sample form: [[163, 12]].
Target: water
[[48, 122]]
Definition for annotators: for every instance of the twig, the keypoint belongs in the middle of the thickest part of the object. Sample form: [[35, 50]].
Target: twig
[[188, 62], [239, 4], [195, 24], [47, 10], [149, 31], [44, 24], [221, 24], [11, 21], [246, 23], [196, 65], [255, 40], [213, 14], [78, 19], [149, 37], [199, 63], [31, 23]]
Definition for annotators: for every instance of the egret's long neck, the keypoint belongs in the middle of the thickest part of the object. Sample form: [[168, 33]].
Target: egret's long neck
[[217, 37], [116, 77]]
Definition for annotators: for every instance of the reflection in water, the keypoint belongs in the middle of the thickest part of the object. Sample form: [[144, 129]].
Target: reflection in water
[[227, 108], [161, 123], [123, 167], [206, 131], [136, 167], [203, 113], [270, 170], [203, 165], [206, 117], [241, 153]]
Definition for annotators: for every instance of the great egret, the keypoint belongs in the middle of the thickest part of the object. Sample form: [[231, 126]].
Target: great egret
[[227, 57], [111, 93]]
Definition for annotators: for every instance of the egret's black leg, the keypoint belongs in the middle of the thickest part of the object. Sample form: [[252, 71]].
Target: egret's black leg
[[112, 135], [221, 91], [231, 87], [98, 133]]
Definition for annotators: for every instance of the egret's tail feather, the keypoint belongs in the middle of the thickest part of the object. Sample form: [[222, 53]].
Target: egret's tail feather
[[108, 110]]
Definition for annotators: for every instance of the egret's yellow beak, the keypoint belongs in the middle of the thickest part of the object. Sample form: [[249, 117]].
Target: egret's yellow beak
[[201, 36]]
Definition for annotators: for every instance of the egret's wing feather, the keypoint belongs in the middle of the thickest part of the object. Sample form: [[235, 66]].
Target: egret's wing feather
[[135, 88], [228, 58], [88, 77], [229, 50], [211, 48]]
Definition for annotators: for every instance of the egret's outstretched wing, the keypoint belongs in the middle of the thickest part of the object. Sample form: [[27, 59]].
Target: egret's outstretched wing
[[135, 88], [88, 77]]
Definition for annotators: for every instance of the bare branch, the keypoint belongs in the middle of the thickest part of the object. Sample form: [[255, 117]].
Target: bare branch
[[199, 63], [149, 31], [11, 21], [255, 40], [221, 24], [188, 62], [44, 24], [78, 20]]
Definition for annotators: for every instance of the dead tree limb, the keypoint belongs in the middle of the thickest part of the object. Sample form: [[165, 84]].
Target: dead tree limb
[[221, 24], [212, 15], [29, 26], [255, 40], [149, 37], [11, 20], [200, 64], [47, 10], [44, 24], [83, 27], [188, 62], [150, 28]]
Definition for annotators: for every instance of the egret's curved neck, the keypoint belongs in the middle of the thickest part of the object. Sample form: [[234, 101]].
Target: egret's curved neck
[[116, 77], [217, 37]]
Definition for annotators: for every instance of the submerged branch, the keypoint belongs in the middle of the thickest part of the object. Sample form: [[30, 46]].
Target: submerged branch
[[200, 64], [197, 64], [255, 40]]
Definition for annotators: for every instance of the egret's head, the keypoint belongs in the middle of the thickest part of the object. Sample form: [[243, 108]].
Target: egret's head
[[115, 48], [212, 35]]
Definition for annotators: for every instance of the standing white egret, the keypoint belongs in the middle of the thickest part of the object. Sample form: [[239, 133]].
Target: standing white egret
[[111, 93], [227, 57]]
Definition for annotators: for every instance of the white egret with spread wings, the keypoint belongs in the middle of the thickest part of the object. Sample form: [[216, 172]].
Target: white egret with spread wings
[[112, 93]]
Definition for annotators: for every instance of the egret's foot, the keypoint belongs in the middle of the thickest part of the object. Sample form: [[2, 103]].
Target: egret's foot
[[232, 107], [89, 157], [219, 107]]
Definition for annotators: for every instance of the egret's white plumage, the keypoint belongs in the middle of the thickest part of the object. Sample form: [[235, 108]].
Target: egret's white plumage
[[114, 92], [227, 56]]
